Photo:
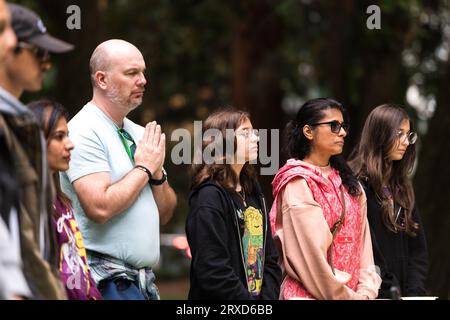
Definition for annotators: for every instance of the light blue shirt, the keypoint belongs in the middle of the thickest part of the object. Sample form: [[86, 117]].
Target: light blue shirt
[[133, 235]]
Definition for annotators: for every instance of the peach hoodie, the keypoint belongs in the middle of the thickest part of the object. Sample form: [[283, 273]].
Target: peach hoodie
[[301, 228]]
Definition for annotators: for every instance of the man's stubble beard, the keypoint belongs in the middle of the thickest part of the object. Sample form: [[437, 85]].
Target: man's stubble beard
[[114, 96]]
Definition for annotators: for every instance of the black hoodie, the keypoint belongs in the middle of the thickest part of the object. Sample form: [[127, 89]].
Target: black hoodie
[[217, 267], [403, 259]]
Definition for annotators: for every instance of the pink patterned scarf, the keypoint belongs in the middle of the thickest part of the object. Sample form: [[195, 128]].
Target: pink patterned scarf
[[347, 243]]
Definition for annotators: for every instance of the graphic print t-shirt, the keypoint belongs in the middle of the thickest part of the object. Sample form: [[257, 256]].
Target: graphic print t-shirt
[[73, 266], [251, 227]]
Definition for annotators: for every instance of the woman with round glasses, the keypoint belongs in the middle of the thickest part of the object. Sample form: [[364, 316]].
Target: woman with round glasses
[[384, 161], [319, 215], [233, 253]]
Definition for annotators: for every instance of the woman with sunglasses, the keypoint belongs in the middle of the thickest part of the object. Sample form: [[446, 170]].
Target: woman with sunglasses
[[72, 263], [233, 254], [384, 161], [319, 213]]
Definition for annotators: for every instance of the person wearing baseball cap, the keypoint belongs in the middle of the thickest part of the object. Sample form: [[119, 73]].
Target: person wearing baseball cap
[[22, 69], [13, 284], [30, 60], [30, 29]]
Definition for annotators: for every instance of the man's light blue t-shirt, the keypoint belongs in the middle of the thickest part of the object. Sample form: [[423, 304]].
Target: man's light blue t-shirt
[[133, 235]]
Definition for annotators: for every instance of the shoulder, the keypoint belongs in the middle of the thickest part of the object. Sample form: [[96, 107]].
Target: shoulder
[[83, 123], [84, 114], [298, 191], [87, 127], [209, 195], [297, 182], [297, 185]]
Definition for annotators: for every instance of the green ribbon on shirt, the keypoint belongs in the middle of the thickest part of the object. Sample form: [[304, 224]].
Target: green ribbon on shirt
[[128, 143]]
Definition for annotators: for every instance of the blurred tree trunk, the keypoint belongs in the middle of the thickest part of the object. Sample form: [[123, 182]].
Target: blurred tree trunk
[[73, 86], [432, 187], [335, 56], [256, 74], [335, 52], [372, 77]]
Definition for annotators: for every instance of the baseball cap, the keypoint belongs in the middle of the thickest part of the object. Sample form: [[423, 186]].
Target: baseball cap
[[29, 28]]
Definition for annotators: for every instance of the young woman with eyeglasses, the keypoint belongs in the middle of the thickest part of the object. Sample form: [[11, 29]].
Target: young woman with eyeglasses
[[383, 161], [233, 254], [319, 213]]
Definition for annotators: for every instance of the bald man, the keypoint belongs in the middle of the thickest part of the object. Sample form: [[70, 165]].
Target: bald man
[[116, 178]]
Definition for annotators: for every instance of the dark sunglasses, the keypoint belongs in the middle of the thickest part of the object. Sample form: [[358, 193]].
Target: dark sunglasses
[[335, 125], [41, 54]]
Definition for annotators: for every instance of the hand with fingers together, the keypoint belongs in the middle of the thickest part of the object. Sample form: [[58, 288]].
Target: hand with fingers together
[[151, 149]]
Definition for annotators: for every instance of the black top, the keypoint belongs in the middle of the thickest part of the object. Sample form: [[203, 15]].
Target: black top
[[403, 259], [9, 188], [214, 236]]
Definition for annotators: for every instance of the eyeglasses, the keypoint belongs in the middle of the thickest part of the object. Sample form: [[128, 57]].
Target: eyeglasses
[[411, 136], [246, 133], [41, 54], [334, 125]]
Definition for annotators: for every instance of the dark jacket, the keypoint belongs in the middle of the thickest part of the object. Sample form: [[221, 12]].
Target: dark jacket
[[12, 280], [403, 259], [217, 267], [27, 148]]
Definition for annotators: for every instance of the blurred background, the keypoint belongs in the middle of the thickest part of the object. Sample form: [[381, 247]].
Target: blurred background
[[268, 57]]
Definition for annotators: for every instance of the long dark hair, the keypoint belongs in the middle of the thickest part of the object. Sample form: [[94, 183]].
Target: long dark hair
[[370, 163], [48, 113], [222, 120], [298, 146]]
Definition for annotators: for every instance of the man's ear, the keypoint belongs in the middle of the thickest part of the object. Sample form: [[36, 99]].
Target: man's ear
[[307, 132], [100, 79]]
